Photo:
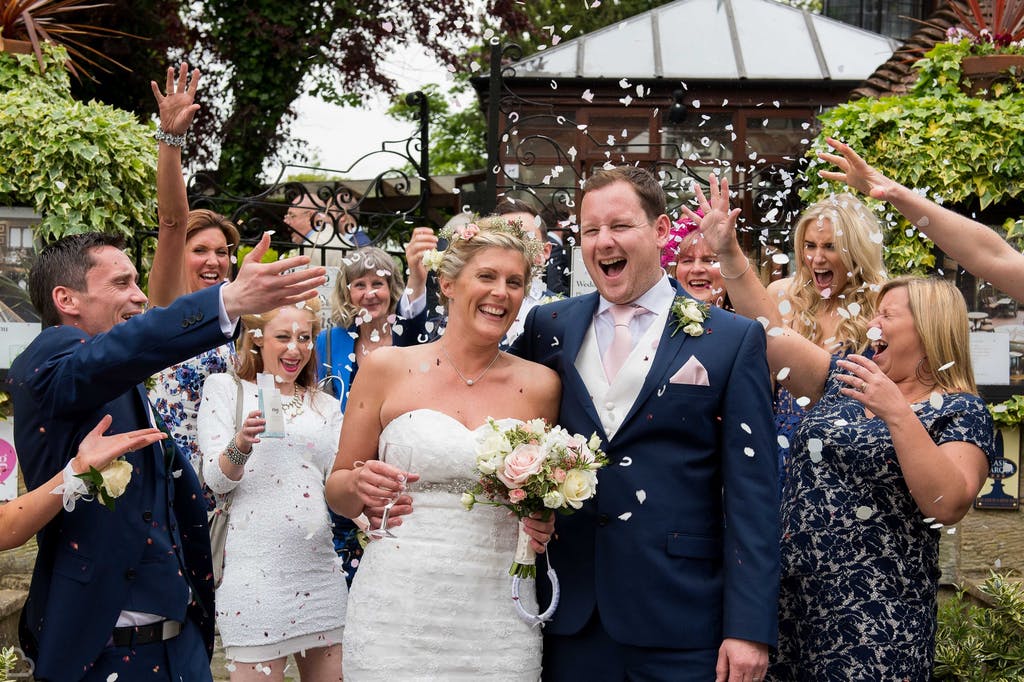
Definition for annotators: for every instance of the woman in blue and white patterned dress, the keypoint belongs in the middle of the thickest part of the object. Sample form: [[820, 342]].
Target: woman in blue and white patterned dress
[[194, 251], [893, 447]]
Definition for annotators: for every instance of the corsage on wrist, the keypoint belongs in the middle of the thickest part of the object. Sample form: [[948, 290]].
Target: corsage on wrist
[[106, 485]]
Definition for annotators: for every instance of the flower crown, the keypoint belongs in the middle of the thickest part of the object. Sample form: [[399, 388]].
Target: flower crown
[[514, 228]]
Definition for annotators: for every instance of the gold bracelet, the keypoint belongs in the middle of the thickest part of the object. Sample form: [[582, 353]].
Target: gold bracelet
[[725, 276]]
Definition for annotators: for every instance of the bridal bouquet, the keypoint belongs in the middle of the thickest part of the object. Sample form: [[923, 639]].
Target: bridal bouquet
[[529, 467]]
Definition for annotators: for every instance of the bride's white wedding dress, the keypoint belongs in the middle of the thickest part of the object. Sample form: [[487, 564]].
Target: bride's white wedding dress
[[436, 602]]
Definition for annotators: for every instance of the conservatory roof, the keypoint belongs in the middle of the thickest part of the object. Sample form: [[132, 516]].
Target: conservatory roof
[[719, 40]]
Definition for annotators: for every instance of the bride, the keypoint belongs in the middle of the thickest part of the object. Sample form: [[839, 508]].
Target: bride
[[435, 601]]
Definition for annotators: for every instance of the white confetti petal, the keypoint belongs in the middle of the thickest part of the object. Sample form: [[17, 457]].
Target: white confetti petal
[[780, 259], [112, 677], [936, 526], [874, 333], [745, 427], [588, 95], [854, 308], [930, 519], [641, 495], [946, 366], [935, 400], [783, 442], [748, 451], [626, 516], [785, 307], [783, 373], [625, 461]]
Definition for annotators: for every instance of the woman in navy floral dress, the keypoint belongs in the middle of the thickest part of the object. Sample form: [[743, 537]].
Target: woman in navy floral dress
[[893, 448], [194, 251]]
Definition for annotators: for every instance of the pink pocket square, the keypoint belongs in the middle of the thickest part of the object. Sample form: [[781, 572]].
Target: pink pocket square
[[691, 373]]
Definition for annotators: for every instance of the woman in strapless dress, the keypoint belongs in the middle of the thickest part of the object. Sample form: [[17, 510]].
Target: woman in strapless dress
[[434, 602]]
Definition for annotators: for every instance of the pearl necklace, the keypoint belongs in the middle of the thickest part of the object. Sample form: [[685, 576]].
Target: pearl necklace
[[470, 382], [294, 406]]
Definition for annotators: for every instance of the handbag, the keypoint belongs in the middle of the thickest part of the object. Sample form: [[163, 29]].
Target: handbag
[[219, 517]]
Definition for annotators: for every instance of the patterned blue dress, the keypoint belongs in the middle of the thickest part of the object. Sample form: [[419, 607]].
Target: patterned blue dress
[[179, 390], [859, 563]]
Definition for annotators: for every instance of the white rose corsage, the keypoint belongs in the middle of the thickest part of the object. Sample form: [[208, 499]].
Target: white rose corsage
[[105, 485], [689, 315]]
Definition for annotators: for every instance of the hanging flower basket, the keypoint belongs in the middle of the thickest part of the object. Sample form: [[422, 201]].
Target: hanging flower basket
[[983, 71]]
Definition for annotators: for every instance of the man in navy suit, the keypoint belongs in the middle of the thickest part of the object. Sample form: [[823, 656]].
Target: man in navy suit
[[671, 572], [127, 591]]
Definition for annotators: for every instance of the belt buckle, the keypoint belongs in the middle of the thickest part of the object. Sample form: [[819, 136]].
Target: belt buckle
[[169, 629]]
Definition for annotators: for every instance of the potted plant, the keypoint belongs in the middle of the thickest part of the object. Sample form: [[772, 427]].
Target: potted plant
[[26, 24], [991, 37]]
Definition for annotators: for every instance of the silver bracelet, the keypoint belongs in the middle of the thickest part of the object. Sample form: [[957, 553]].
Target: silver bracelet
[[725, 276], [167, 138], [236, 456]]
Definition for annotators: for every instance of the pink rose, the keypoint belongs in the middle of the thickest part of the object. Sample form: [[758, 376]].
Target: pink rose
[[525, 461], [516, 495], [469, 231], [558, 475]]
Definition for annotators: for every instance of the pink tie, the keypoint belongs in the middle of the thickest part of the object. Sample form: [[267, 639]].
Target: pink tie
[[622, 341]]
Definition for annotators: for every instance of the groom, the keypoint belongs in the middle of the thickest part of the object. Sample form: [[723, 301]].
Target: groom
[[671, 572]]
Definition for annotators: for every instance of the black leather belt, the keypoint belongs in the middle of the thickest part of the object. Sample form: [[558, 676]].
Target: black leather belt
[[136, 635]]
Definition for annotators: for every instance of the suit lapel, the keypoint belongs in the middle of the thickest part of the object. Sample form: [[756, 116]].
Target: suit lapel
[[577, 320]]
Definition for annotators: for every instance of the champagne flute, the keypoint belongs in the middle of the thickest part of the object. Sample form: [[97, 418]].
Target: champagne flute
[[400, 457]]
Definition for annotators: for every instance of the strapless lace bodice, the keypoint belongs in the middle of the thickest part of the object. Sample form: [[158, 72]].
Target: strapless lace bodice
[[435, 603]]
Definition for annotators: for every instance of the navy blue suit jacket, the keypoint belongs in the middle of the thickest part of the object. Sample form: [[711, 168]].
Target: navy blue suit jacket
[[62, 385], [697, 559]]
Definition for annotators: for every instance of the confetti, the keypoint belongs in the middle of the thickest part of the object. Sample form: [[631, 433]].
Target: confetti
[[588, 95], [387, 26], [783, 373], [783, 442], [748, 451], [864, 513], [626, 516], [625, 461], [624, 84], [946, 366], [641, 495], [874, 333], [935, 400], [112, 677]]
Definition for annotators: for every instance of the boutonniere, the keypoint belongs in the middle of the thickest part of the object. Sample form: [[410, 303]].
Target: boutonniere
[[689, 315]]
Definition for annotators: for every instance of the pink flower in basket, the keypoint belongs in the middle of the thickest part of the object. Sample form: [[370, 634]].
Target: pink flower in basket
[[525, 461]]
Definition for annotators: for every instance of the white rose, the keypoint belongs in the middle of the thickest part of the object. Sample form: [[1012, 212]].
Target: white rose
[[693, 329], [538, 426], [595, 441], [432, 260], [116, 476], [554, 500], [579, 486], [468, 500]]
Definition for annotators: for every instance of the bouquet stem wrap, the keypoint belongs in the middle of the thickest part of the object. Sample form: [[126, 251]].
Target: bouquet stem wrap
[[524, 565]]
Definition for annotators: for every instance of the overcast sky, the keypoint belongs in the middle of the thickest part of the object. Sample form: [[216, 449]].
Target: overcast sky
[[338, 136]]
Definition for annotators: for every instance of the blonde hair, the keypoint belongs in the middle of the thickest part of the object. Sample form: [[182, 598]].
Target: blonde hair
[[853, 225], [364, 261], [940, 320], [250, 360], [492, 235]]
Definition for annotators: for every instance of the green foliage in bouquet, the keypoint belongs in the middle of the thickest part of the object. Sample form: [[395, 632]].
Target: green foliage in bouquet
[[1009, 413]]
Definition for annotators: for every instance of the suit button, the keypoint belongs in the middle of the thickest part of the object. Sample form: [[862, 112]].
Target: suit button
[[147, 516], [130, 574], [609, 406], [602, 520], [199, 317], [184, 324]]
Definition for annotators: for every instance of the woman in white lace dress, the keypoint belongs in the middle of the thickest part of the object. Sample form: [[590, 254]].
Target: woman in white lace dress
[[284, 589], [435, 602]]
